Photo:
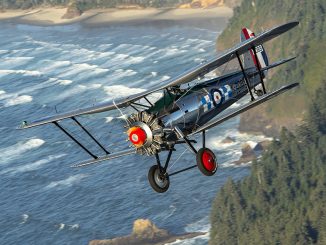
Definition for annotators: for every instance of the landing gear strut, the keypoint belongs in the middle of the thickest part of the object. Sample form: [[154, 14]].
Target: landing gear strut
[[158, 176]]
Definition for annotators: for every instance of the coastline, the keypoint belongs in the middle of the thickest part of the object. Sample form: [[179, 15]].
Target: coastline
[[103, 17]]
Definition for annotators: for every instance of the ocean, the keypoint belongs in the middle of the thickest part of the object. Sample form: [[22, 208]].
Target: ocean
[[48, 70]]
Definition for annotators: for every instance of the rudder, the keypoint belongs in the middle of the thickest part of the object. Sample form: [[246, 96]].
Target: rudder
[[249, 59]]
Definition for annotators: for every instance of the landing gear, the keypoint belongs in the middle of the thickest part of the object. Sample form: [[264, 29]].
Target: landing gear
[[206, 161], [158, 179]]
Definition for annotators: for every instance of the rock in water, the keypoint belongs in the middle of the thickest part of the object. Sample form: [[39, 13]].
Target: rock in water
[[145, 229], [228, 140], [72, 11], [144, 232]]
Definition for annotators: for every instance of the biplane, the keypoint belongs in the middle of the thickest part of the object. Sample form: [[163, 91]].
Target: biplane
[[185, 108]]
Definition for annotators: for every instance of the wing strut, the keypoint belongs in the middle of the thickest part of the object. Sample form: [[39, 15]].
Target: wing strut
[[259, 70], [90, 135], [74, 139], [245, 77]]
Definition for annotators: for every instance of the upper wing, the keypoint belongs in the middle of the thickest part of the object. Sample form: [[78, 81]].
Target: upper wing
[[185, 77], [244, 108]]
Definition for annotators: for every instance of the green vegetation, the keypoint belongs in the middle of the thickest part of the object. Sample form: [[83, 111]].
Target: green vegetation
[[307, 42], [89, 4], [283, 201]]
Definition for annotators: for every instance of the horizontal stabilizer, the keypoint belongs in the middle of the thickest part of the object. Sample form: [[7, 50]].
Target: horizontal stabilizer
[[244, 108], [104, 158], [280, 62]]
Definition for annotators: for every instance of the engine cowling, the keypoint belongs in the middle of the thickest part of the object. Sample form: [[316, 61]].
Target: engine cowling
[[145, 133]]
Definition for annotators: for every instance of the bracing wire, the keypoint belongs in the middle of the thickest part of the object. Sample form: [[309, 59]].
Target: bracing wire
[[169, 168], [123, 115]]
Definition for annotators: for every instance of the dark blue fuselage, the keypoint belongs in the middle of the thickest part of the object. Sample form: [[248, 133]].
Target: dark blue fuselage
[[206, 100]]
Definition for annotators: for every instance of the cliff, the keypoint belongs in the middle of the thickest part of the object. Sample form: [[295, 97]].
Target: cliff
[[145, 233], [308, 43], [283, 200]]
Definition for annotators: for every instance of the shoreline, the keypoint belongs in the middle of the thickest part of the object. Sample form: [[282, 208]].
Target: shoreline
[[104, 17]]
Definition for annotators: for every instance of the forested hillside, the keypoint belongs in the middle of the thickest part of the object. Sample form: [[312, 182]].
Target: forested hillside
[[307, 42], [283, 201], [88, 4]]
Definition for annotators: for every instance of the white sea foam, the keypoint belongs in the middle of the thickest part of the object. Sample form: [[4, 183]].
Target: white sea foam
[[201, 225], [73, 227], [31, 166], [64, 82], [23, 72], [198, 240], [120, 73], [164, 78], [71, 180], [117, 91], [14, 151], [51, 65], [15, 61], [154, 73], [171, 52], [24, 218], [136, 59], [22, 99], [78, 89], [61, 226]]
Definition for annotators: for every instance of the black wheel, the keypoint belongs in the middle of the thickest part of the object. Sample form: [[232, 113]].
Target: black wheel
[[159, 182], [206, 161]]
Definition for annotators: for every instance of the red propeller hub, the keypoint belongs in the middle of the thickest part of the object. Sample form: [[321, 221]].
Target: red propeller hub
[[208, 160], [137, 136]]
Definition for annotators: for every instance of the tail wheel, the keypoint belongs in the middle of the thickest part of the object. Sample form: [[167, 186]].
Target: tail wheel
[[206, 161], [159, 182]]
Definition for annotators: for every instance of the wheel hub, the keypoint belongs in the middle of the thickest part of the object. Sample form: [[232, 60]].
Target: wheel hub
[[208, 161]]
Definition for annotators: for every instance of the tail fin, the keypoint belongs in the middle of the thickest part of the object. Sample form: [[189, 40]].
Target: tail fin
[[249, 57]]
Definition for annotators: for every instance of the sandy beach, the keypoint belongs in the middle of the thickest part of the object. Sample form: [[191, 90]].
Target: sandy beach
[[52, 16]]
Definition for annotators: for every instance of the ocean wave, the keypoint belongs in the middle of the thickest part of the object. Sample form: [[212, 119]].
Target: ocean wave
[[121, 73], [31, 166], [201, 225], [71, 180], [196, 40], [84, 66], [22, 99], [171, 52], [164, 78], [23, 72], [117, 91], [3, 51], [14, 61], [198, 240], [78, 89], [15, 151], [64, 82], [52, 65], [24, 218], [62, 226], [60, 28]]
